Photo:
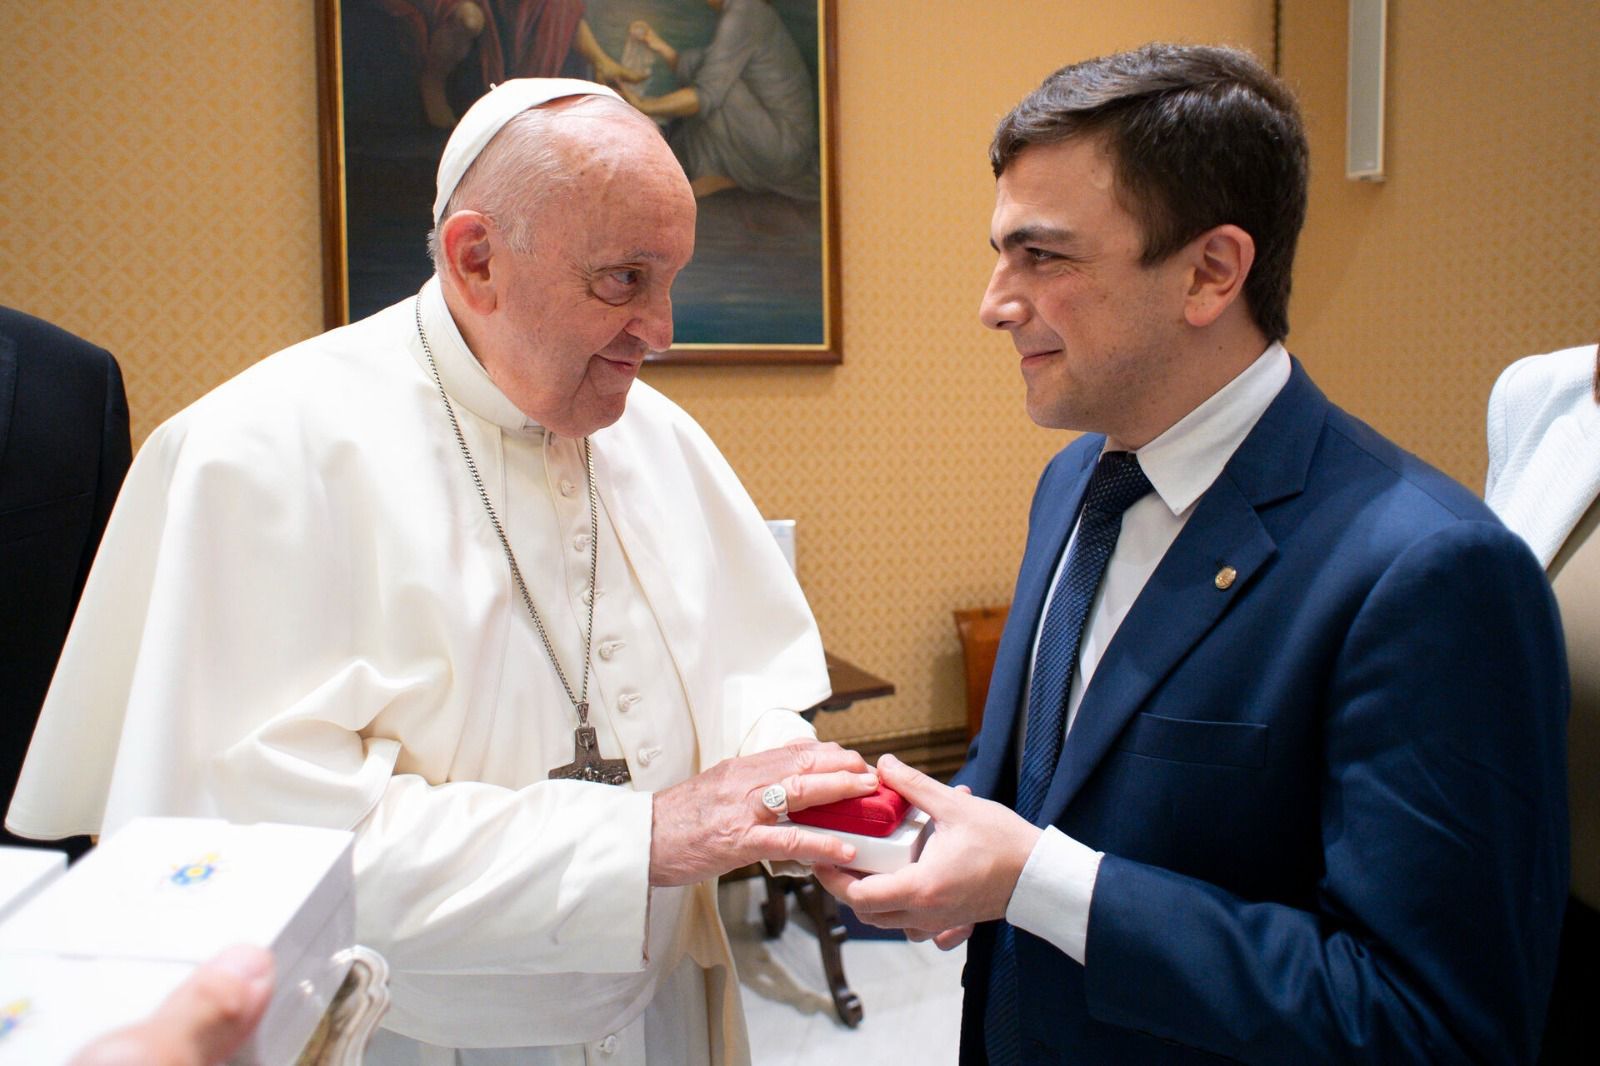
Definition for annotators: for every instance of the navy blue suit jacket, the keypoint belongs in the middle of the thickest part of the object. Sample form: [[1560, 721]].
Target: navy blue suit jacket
[[1331, 796], [64, 449]]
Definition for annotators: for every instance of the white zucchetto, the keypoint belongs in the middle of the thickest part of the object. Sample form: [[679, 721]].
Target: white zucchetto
[[488, 115]]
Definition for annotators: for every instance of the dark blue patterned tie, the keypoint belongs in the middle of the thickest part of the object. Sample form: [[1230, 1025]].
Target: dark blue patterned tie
[[1117, 483]]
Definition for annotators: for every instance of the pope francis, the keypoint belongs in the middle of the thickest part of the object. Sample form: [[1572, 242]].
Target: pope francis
[[449, 577]]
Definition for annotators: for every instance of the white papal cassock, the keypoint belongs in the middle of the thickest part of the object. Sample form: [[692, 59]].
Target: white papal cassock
[[300, 613]]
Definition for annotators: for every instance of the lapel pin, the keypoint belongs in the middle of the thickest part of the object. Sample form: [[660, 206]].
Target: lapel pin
[[1225, 577]]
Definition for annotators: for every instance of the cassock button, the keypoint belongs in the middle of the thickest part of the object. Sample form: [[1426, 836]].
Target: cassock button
[[1225, 577], [626, 701], [581, 542], [608, 1046], [609, 648], [567, 487], [648, 755]]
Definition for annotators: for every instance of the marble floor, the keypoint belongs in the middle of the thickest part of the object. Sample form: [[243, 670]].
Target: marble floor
[[910, 993]]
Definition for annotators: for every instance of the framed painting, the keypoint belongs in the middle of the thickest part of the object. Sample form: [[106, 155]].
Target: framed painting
[[743, 91]]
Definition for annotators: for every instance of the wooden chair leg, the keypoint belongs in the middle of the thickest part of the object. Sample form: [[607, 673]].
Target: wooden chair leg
[[824, 914], [775, 909]]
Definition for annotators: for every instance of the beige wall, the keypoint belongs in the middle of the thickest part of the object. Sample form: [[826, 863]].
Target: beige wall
[[159, 189], [1483, 244], [159, 183]]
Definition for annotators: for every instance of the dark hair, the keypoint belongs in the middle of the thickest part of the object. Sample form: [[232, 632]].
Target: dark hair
[[1201, 136]]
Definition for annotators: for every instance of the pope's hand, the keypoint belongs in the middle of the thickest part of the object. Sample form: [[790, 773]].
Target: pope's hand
[[965, 874], [202, 1023], [715, 821]]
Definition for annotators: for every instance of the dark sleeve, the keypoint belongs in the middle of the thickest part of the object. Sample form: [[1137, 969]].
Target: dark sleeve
[[116, 452], [64, 461], [1431, 936]]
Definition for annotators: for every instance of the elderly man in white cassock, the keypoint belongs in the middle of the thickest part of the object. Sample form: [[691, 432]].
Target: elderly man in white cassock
[[451, 578]]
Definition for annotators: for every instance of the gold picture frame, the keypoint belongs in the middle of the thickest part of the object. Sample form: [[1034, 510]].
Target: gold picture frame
[[764, 285]]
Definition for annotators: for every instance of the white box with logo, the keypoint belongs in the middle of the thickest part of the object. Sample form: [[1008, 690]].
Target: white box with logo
[[104, 944]]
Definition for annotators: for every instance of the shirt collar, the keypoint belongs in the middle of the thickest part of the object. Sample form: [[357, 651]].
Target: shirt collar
[[1184, 461], [463, 377]]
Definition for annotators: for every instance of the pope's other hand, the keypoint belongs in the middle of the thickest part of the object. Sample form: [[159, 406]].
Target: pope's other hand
[[715, 821]]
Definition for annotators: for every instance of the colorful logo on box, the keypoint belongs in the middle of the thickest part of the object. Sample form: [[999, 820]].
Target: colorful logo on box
[[11, 1016], [195, 873]]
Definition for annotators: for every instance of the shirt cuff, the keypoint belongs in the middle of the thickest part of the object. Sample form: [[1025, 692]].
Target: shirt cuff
[[774, 729], [1052, 896]]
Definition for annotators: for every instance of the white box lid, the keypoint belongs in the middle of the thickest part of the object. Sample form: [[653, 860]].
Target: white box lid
[[23, 872], [182, 889]]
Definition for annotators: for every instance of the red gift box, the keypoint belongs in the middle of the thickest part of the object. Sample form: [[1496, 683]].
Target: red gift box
[[876, 815]]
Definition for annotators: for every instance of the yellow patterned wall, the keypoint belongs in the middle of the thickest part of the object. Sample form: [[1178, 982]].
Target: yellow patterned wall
[[1484, 243], [159, 183], [159, 189]]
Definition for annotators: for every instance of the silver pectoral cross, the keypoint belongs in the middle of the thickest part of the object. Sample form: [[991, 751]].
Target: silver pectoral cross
[[586, 764]]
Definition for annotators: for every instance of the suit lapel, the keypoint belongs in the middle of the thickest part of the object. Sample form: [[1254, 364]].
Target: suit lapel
[[1181, 602], [1056, 510], [1178, 606]]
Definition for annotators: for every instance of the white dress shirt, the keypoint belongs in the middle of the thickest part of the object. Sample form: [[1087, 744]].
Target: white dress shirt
[[1053, 894]]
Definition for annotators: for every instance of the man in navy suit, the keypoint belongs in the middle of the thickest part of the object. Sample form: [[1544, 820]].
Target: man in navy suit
[[1281, 707], [64, 449]]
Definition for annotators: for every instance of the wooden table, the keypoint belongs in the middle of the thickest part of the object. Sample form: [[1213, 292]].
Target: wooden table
[[850, 683]]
